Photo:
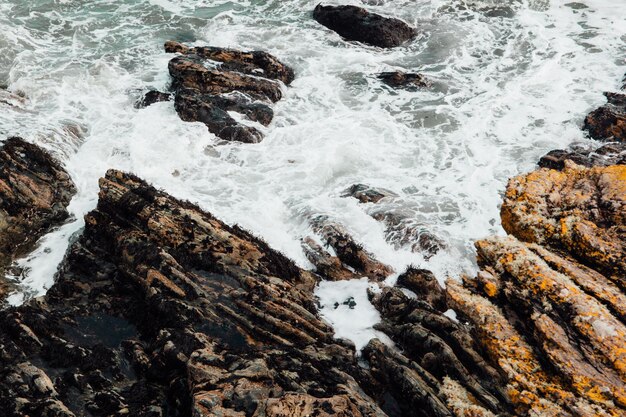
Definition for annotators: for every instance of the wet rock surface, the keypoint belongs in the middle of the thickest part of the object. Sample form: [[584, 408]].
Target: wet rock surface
[[366, 194], [351, 260], [399, 79], [160, 309], [608, 123], [357, 24], [152, 97], [34, 194], [401, 229], [609, 154], [209, 82]]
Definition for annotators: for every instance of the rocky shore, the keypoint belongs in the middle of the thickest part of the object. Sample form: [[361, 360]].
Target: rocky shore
[[159, 309]]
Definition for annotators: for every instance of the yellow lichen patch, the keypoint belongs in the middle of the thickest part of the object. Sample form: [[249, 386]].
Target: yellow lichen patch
[[461, 402], [592, 320], [528, 382], [597, 387], [586, 278]]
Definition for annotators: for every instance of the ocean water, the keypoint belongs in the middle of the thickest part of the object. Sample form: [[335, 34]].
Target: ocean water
[[512, 80]]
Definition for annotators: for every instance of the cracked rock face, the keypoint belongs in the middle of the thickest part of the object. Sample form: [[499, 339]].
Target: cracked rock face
[[358, 24], [34, 194], [578, 210]]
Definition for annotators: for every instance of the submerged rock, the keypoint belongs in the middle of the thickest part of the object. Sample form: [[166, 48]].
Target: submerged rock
[[34, 194], [608, 123], [401, 229], [210, 82], [399, 79], [358, 24], [366, 194]]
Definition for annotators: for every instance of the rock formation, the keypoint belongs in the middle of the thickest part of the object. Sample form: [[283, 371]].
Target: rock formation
[[543, 324], [160, 309], [358, 24], [366, 194], [399, 79], [34, 194], [210, 82], [608, 123]]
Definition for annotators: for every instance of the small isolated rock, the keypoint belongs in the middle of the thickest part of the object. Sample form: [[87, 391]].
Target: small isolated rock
[[399, 79], [357, 24], [152, 97], [609, 154], [608, 123], [366, 194]]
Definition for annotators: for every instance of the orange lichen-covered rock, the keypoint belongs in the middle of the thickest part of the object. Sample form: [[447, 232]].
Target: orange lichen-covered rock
[[578, 210]]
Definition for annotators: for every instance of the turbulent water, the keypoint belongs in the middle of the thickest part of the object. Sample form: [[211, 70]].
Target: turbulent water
[[512, 80]]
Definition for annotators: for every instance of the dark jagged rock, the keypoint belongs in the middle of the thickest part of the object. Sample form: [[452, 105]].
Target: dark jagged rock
[[34, 194], [399, 79], [209, 82], [326, 265], [608, 123], [609, 154], [160, 309], [192, 107], [425, 285], [366, 194], [258, 63], [358, 24], [348, 251], [152, 97]]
